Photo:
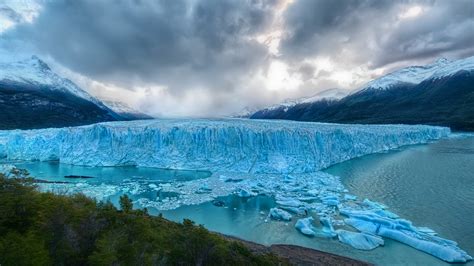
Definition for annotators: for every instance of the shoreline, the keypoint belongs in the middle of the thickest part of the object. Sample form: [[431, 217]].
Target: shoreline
[[297, 255]]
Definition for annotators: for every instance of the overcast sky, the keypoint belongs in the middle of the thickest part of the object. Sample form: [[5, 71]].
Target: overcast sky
[[215, 57]]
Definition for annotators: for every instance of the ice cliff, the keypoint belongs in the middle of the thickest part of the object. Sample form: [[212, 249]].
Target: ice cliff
[[235, 145]]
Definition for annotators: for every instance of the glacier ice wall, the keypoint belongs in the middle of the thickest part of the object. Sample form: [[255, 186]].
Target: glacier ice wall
[[237, 145]]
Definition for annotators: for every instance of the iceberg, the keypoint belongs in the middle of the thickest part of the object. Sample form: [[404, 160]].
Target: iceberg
[[421, 238], [244, 193], [361, 241], [235, 145], [279, 214], [328, 229], [305, 227]]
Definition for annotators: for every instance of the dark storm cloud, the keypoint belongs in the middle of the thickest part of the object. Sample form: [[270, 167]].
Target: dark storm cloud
[[166, 41], [372, 31], [446, 27], [216, 56], [311, 22]]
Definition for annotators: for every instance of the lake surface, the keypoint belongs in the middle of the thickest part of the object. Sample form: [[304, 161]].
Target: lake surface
[[432, 185]]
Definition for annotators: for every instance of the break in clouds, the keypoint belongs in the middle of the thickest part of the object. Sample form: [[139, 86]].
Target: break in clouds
[[215, 57]]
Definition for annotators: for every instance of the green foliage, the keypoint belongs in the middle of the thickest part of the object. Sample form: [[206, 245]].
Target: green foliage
[[126, 203], [44, 229]]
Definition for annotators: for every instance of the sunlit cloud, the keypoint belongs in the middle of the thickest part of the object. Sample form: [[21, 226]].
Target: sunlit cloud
[[411, 12], [279, 77]]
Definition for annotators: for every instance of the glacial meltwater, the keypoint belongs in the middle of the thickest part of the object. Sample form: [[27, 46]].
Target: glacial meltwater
[[431, 185]]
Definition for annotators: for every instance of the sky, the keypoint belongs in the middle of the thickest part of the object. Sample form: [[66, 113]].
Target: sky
[[208, 58]]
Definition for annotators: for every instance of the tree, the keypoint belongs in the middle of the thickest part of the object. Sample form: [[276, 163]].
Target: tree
[[126, 203]]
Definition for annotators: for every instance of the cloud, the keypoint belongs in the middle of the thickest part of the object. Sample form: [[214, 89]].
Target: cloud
[[214, 57], [172, 42], [378, 33]]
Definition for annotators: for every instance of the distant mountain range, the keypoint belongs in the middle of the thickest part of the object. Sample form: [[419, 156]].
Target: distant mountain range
[[441, 93], [33, 96], [326, 95], [125, 111]]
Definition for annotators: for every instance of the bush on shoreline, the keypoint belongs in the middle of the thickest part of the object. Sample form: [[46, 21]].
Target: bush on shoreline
[[39, 228]]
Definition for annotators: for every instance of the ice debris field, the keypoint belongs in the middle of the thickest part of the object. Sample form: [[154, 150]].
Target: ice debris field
[[281, 159]]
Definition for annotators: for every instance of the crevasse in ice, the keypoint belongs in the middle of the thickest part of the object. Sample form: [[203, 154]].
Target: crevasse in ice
[[247, 157]]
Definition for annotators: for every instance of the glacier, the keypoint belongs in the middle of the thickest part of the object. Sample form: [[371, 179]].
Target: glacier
[[247, 158], [236, 145]]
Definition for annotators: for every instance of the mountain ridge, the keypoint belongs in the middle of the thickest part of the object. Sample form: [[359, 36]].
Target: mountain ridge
[[33, 96], [441, 93]]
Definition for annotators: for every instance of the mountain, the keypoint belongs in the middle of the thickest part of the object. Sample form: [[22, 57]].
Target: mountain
[[326, 95], [441, 93], [125, 111], [33, 96]]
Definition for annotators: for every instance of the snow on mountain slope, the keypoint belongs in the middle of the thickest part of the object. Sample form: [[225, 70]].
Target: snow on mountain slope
[[416, 74], [119, 107], [329, 94], [334, 93], [238, 145], [125, 110], [412, 75], [244, 113], [34, 71]]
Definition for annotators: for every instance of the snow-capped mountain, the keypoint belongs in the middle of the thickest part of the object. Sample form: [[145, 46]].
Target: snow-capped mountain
[[125, 110], [244, 113], [441, 93], [34, 71], [32, 95], [329, 94], [414, 75]]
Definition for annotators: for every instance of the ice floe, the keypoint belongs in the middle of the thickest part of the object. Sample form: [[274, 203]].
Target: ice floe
[[359, 240], [279, 214]]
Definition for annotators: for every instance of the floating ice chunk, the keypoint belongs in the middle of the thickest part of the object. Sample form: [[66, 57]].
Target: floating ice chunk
[[296, 210], [243, 193], [403, 231], [359, 240], [349, 197], [153, 186], [386, 213], [427, 230], [307, 199], [289, 202], [204, 189], [305, 227], [362, 225], [443, 251], [374, 205], [328, 229], [230, 178], [279, 214], [312, 193], [330, 200]]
